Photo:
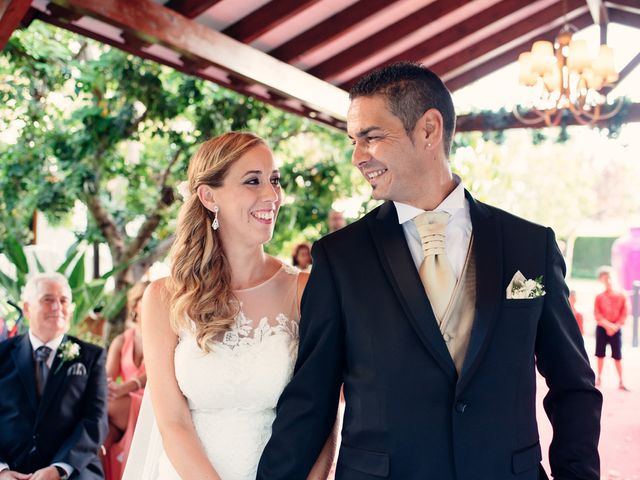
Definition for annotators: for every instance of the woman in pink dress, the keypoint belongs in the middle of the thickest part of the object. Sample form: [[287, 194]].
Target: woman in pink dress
[[125, 361]]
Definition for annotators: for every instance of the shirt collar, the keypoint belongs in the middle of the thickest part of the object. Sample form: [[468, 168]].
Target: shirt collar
[[451, 204], [52, 344]]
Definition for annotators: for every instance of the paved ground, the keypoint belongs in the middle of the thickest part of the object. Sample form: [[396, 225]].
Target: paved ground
[[620, 435]]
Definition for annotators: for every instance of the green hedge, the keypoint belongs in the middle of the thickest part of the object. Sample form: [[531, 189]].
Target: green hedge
[[589, 253]]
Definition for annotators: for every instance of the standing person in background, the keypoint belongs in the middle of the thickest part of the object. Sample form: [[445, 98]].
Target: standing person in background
[[335, 221], [610, 311], [125, 360], [301, 257], [576, 313]]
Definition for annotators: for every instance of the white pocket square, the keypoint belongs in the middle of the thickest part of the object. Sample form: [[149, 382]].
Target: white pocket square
[[77, 369], [521, 288]]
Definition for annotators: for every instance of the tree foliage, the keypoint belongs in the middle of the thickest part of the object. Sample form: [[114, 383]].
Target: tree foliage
[[89, 123]]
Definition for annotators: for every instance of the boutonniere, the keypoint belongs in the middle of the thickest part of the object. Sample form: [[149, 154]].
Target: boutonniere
[[67, 352], [520, 287]]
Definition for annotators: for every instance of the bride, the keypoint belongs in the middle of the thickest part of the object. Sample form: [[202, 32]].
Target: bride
[[220, 334]]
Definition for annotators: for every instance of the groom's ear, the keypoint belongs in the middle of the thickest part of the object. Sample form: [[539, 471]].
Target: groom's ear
[[429, 129]]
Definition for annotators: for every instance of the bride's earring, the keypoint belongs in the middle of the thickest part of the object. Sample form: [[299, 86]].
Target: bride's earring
[[215, 224]]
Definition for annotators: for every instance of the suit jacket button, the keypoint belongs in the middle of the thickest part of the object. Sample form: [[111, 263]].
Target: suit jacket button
[[461, 407]]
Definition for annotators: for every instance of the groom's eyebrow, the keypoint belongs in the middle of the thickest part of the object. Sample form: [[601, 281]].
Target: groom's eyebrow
[[366, 131]]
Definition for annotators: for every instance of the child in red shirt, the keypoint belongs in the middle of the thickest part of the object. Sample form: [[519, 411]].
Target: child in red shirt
[[610, 311]]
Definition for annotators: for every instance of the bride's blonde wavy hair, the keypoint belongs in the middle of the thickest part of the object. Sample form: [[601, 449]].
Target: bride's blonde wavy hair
[[200, 282]]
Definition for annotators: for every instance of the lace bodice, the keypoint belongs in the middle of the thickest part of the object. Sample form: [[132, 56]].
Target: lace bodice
[[233, 390]]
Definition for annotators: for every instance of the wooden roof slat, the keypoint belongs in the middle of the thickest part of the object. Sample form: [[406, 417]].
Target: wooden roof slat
[[168, 28], [329, 29], [630, 5], [11, 14], [624, 17], [190, 8], [387, 36], [451, 35], [266, 18], [510, 56], [486, 48]]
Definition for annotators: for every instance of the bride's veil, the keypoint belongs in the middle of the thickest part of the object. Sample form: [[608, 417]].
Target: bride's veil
[[146, 446]]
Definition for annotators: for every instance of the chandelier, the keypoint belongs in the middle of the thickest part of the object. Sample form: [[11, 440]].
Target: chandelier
[[564, 76]]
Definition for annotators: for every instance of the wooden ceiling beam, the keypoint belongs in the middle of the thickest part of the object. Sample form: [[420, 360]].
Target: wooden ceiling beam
[[384, 38], [11, 14], [470, 123], [600, 17], [190, 8], [598, 11], [164, 26], [510, 56], [329, 29], [266, 18], [624, 17], [628, 68], [451, 35], [188, 68], [487, 48]]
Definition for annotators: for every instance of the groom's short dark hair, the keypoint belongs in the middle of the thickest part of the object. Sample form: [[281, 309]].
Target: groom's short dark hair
[[410, 89]]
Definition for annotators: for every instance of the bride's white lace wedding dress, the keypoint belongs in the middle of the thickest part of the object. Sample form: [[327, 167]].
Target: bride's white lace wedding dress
[[232, 390]]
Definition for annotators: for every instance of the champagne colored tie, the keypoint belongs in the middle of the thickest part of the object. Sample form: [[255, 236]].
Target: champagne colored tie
[[435, 271]]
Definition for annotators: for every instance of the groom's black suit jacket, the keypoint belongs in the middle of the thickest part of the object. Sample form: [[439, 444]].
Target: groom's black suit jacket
[[367, 322], [69, 422]]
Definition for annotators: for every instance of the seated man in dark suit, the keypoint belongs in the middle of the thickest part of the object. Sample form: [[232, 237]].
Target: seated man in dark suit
[[53, 392]]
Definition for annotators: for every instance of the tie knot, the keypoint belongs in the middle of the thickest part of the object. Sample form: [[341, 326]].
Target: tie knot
[[431, 223], [42, 353]]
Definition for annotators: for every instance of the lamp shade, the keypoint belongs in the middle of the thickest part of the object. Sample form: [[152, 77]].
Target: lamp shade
[[527, 76], [542, 57], [603, 63], [578, 58]]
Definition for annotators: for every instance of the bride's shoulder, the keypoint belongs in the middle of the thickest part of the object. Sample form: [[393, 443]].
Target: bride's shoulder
[[158, 291], [155, 300]]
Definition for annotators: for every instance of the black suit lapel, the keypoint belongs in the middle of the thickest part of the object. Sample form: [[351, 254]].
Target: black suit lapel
[[488, 255], [54, 381], [395, 257], [23, 358]]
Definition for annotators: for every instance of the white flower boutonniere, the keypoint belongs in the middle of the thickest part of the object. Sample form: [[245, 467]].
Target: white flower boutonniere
[[520, 287], [68, 351]]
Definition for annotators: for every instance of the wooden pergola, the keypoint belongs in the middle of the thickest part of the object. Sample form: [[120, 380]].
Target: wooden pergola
[[303, 55]]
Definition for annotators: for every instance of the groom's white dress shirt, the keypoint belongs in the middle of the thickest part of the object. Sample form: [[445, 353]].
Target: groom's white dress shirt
[[457, 232]]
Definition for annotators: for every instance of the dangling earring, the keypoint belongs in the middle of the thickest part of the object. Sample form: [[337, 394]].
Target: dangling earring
[[215, 224]]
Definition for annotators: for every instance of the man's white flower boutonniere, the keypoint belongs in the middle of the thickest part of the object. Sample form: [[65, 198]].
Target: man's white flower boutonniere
[[520, 287], [68, 351]]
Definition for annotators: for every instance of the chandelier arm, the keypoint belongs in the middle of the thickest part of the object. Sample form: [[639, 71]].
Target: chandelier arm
[[580, 114], [538, 116], [614, 111]]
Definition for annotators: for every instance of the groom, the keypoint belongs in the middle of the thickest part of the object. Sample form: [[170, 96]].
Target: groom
[[428, 321]]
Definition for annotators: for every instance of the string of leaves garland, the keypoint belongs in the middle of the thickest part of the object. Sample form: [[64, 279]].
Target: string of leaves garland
[[493, 123]]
